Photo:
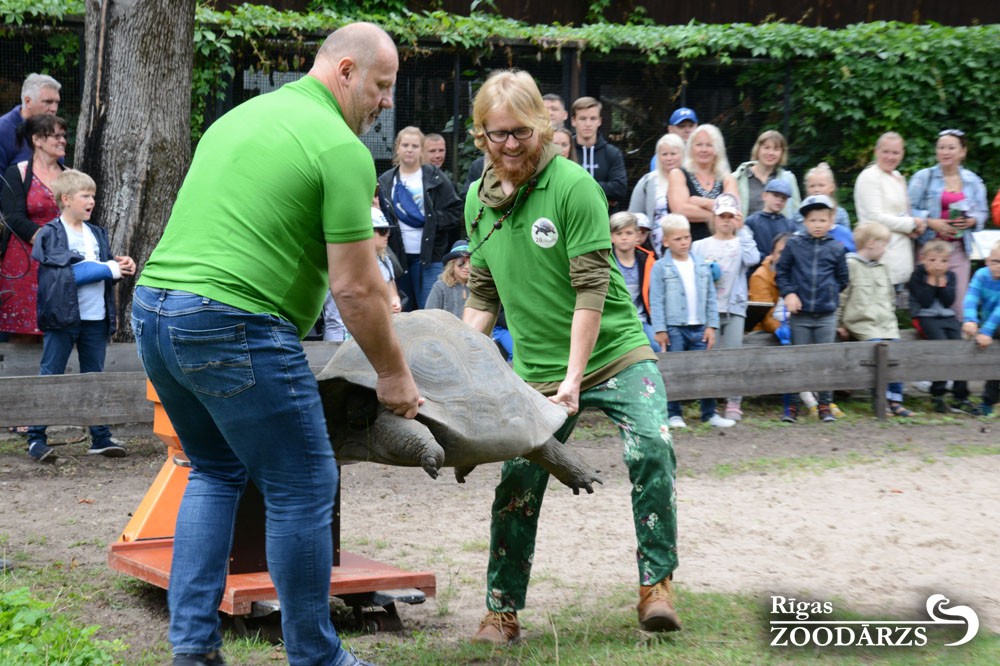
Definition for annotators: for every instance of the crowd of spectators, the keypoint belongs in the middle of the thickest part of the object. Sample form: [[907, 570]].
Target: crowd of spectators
[[418, 215], [690, 178]]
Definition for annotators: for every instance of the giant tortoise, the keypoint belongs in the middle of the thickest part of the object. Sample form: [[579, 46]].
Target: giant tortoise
[[476, 409]]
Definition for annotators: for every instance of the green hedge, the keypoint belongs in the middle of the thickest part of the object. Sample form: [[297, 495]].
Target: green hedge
[[848, 85]]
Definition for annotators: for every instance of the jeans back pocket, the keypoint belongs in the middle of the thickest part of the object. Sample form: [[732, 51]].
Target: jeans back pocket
[[216, 361]]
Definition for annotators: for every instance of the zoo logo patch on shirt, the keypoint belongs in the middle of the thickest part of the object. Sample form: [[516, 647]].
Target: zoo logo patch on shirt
[[544, 233]]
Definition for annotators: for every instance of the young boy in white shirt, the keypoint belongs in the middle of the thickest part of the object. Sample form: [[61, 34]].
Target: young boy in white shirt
[[682, 300], [76, 305]]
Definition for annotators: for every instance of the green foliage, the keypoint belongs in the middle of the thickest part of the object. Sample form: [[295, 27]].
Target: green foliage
[[366, 6], [875, 77], [30, 634], [596, 9], [65, 51], [847, 85], [16, 11]]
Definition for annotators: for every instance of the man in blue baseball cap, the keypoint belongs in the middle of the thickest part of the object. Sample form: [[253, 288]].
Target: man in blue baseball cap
[[683, 122]]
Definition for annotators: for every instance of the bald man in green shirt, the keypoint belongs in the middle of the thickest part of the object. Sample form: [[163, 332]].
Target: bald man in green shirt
[[274, 210]]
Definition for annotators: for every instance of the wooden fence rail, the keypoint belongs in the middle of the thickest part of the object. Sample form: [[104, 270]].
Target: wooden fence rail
[[118, 395]]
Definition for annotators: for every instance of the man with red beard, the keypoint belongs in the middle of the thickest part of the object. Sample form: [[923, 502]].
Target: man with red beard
[[540, 240]]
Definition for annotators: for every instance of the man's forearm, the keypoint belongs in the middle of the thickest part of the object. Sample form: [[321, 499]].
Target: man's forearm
[[361, 295], [481, 320], [583, 336]]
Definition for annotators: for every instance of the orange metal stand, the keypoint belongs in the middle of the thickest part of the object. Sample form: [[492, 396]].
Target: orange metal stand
[[145, 548]]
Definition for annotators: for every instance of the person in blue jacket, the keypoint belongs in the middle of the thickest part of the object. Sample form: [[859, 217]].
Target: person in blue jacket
[[811, 273], [76, 303]]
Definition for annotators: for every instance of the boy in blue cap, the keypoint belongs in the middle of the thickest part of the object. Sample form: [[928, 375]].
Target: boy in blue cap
[[770, 222], [811, 273]]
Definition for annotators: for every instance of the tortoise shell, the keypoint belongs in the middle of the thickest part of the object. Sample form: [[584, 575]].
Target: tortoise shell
[[470, 393]]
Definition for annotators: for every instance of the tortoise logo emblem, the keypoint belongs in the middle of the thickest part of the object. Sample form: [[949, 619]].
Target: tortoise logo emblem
[[544, 233]]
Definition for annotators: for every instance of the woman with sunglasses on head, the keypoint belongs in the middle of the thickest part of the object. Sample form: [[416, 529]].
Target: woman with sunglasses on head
[[422, 200], [27, 204], [953, 199]]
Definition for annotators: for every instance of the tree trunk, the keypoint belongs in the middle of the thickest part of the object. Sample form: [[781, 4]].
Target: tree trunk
[[133, 135]]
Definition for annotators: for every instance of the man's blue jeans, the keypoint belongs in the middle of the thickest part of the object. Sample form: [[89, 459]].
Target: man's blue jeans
[[240, 394], [91, 341], [688, 338]]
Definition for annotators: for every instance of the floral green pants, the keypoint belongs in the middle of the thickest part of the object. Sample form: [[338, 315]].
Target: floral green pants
[[636, 400]]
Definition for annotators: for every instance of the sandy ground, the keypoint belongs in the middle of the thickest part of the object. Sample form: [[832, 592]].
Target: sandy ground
[[874, 516]]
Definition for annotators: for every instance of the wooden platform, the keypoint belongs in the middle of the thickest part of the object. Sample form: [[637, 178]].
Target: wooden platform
[[145, 548], [150, 561]]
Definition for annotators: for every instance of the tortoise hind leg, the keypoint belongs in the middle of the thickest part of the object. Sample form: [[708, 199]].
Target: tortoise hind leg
[[462, 472], [406, 442], [566, 465]]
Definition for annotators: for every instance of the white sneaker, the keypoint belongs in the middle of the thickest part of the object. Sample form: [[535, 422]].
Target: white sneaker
[[719, 422], [677, 422]]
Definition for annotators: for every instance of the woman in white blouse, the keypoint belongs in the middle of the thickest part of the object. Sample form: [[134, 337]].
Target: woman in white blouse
[[880, 196]]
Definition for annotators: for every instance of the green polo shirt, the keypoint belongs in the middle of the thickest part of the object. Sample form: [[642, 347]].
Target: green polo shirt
[[529, 258], [271, 183]]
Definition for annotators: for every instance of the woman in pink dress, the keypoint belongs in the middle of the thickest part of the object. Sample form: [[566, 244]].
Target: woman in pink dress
[[27, 205]]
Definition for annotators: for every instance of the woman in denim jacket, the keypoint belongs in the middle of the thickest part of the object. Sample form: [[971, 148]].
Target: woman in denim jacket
[[931, 191]]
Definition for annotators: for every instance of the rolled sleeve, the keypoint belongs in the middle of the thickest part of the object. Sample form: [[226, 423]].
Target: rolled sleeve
[[482, 291], [590, 274]]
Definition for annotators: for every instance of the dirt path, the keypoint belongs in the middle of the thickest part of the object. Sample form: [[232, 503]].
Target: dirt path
[[877, 516]]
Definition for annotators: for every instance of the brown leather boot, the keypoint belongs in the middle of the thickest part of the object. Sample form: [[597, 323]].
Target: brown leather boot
[[498, 628], [656, 607]]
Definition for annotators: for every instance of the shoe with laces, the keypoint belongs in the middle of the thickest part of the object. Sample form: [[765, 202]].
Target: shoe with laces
[[109, 448], [498, 628], [676, 422], [656, 607], [836, 411], [897, 409], [963, 407], [717, 421], [825, 414], [733, 412], [41, 451], [791, 414], [207, 659]]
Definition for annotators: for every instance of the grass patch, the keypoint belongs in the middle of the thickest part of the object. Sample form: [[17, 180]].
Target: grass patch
[[476, 546], [31, 633], [964, 450], [719, 630], [788, 465]]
